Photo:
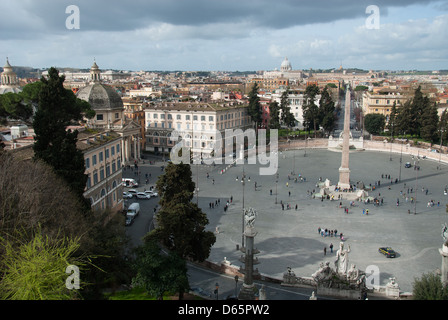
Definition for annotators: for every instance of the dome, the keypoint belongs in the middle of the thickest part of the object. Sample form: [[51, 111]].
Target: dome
[[101, 97], [286, 65]]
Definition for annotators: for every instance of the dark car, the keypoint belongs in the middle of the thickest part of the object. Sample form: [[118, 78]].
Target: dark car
[[387, 251], [408, 165]]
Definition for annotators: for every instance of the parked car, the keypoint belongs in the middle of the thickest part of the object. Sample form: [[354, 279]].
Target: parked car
[[133, 191], [407, 165], [129, 221], [143, 195], [127, 195], [387, 251], [152, 193]]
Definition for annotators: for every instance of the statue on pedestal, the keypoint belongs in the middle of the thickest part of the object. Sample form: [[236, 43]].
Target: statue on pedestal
[[341, 262]]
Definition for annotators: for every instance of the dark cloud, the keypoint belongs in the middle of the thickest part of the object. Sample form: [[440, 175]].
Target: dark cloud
[[113, 15]]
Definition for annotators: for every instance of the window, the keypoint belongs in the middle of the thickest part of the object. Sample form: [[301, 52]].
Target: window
[[101, 156], [112, 150], [156, 116], [94, 160], [195, 118], [178, 117], [117, 115], [187, 117], [118, 148], [101, 173], [107, 153], [202, 118], [87, 163], [95, 177], [170, 117], [99, 117], [162, 116], [210, 118]]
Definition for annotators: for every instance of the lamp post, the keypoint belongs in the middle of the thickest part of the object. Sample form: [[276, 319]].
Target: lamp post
[[416, 168], [236, 286], [216, 290], [243, 182], [401, 159]]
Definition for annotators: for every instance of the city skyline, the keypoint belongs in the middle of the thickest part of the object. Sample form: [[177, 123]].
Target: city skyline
[[199, 35]]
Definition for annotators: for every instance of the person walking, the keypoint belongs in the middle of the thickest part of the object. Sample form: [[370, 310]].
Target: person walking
[[325, 251], [331, 247]]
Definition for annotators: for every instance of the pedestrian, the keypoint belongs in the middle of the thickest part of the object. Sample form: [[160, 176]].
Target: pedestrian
[[325, 251], [296, 206], [289, 193], [331, 248], [318, 230], [270, 191]]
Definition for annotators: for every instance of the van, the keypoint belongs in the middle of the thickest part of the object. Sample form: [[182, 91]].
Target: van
[[133, 210], [128, 182]]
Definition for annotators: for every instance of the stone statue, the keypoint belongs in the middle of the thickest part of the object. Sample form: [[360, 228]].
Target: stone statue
[[352, 273], [341, 262], [445, 233], [249, 217], [324, 273]]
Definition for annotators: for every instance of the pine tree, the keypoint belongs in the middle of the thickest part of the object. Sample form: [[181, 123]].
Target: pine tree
[[392, 124], [287, 118], [274, 112], [254, 108], [430, 123], [181, 222], [54, 144], [326, 111], [310, 109]]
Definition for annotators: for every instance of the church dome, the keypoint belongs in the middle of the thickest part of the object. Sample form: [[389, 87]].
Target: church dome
[[286, 65], [101, 97], [9, 82]]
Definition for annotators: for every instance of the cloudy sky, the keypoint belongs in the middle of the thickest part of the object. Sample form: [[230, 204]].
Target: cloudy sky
[[226, 34]]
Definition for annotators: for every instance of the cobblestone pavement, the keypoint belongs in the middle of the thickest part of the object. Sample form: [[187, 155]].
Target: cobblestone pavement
[[289, 238]]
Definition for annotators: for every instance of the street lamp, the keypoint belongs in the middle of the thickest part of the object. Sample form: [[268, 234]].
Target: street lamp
[[243, 181], [417, 168], [216, 290], [236, 286]]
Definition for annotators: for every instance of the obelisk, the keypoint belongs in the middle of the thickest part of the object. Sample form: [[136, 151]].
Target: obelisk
[[344, 171]]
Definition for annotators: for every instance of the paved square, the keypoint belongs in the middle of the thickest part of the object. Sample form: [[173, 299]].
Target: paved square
[[289, 238]]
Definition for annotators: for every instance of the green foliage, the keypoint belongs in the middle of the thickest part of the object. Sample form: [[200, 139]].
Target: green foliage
[[287, 118], [374, 123], [254, 108], [429, 287], [310, 109], [36, 270], [158, 272], [181, 222], [327, 111], [58, 108], [274, 111], [429, 124]]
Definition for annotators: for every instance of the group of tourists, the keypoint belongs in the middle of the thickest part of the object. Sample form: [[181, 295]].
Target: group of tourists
[[329, 233]]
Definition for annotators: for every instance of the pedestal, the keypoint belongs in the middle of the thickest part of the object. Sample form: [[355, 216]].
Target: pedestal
[[444, 253], [344, 178], [248, 289]]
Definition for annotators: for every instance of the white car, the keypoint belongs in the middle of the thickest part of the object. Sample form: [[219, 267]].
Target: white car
[[127, 195], [152, 193], [143, 195], [133, 191]]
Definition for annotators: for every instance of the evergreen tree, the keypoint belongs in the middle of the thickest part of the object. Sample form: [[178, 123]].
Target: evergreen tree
[[254, 108], [181, 222], [310, 109], [429, 287], [54, 144], [287, 118], [374, 123], [274, 112], [392, 124], [430, 123], [443, 127], [404, 118], [327, 111]]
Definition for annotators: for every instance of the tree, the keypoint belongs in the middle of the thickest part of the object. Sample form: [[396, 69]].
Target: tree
[[274, 112], [287, 118], [429, 287], [54, 144], [327, 111], [404, 118], [443, 127], [254, 108], [392, 124], [12, 107], [430, 123], [310, 109], [181, 223], [158, 272], [374, 123], [36, 270]]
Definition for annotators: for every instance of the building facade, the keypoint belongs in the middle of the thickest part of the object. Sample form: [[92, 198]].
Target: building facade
[[200, 125], [102, 155]]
